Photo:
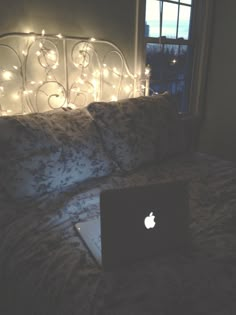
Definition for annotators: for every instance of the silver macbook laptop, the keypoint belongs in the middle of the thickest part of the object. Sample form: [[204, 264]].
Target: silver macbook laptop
[[138, 223]]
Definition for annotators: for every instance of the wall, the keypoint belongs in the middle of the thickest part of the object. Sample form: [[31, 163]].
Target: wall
[[105, 19], [219, 128]]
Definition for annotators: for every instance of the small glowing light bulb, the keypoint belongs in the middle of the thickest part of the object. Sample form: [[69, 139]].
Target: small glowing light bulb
[[115, 71], [81, 81], [43, 32], [59, 35], [55, 66], [173, 61], [7, 75], [127, 89], [15, 96], [52, 55], [113, 98], [92, 39]]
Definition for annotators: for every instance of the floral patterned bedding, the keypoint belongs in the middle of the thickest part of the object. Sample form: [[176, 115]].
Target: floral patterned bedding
[[43, 152], [45, 269]]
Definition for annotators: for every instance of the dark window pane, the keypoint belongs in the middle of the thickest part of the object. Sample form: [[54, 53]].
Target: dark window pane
[[152, 20], [184, 21], [170, 70], [169, 23]]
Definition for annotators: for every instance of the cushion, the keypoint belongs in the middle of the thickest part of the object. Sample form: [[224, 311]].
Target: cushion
[[47, 151], [130, 128]]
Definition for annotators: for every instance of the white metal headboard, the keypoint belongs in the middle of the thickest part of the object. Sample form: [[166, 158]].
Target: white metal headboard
[[39, 72]]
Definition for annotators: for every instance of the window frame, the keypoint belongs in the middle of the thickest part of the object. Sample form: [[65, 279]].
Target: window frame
[[199, 40]]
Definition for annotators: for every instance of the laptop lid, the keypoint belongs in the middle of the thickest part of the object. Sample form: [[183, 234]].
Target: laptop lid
[[140, 222], [137, 223]]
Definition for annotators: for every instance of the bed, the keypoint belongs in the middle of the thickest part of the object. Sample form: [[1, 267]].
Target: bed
[[44, 266]]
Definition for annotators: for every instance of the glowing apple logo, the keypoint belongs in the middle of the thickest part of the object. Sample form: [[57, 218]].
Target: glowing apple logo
[[149, 221]]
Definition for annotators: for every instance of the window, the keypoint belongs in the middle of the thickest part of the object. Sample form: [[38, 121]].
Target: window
[[169, 49]]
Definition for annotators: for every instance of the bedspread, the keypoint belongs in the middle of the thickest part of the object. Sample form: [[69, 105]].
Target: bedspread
[[45, 269]]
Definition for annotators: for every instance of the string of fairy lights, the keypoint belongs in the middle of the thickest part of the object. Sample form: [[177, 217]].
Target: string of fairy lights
[[63, 71]]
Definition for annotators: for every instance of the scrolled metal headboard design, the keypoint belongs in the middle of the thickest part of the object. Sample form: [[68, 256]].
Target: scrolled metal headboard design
[[41, 72]]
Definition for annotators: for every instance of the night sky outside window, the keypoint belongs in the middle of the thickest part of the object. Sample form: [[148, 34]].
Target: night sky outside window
[[169, 47]]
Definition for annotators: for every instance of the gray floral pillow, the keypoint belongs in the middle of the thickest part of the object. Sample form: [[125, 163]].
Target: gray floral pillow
[[130, 128], [42, 152]]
